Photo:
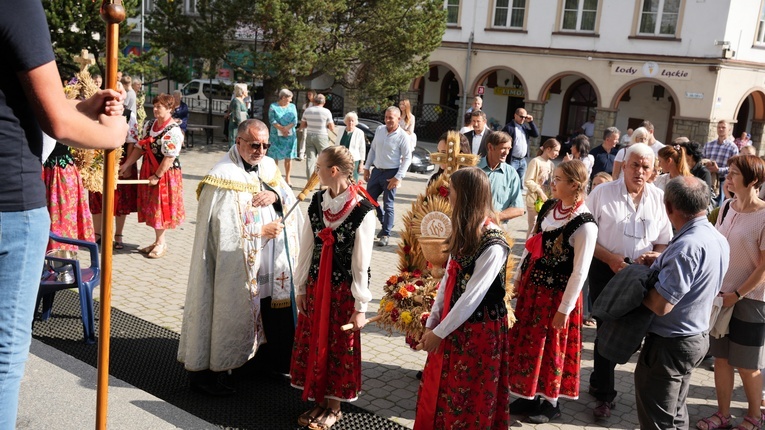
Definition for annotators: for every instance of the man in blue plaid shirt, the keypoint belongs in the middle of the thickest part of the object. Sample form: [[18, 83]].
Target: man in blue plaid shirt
[[719, 151]]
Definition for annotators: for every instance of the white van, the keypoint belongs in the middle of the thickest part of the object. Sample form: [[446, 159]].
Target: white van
[[197, 93]]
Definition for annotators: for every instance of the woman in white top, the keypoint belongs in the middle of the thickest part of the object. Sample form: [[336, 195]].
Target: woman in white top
[[407, 121], [353, 139], [742, 222], [537, 178], [640, 135], [547, 336], [673, 163]]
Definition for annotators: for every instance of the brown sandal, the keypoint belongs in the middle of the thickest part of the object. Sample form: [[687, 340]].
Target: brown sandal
[[320, 422], [310, 415]]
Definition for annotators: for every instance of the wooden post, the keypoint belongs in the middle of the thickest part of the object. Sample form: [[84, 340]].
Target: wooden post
[[112, 12]]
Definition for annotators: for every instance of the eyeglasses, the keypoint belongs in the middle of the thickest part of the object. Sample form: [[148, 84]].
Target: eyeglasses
[[635, 230], [522, 116], [254, 145]]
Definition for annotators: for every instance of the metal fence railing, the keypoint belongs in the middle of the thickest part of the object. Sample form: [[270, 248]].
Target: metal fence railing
[[433, 120]]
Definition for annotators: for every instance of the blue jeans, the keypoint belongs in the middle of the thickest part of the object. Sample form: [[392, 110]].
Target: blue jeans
[[378, 184], [23, 238], [519, 164]]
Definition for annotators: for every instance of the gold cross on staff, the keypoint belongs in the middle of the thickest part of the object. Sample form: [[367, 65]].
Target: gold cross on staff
[[85, 60], [453, 159]]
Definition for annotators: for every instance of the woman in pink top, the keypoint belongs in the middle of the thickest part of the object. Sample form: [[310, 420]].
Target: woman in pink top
[[742, 222]]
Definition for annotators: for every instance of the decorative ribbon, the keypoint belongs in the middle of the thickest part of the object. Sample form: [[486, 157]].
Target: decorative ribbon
[[320, 321], [431, 378], [358, 189]]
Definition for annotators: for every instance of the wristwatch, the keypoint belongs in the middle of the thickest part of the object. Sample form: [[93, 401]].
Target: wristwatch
[[738, 294]]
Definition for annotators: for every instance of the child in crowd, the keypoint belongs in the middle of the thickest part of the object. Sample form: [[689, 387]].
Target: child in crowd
[[465, 381], [332, 289], [537, 179]]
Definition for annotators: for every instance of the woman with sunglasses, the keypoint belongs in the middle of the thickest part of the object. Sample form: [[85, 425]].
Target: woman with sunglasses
[[160, 203]]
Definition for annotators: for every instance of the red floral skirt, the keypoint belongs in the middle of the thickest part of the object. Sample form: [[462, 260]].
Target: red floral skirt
[[545, 361], [125, 197], [161, 206], [344, 351], [68, 205], [473, 392]]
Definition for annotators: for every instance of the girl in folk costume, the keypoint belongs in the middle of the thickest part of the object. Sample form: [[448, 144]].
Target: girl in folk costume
[[549, 305], [67, 201], [160, 204], [332, 289], [465, 381], [125, 195]]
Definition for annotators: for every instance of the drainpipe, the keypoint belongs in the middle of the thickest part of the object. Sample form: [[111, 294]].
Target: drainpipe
[[461, 117]]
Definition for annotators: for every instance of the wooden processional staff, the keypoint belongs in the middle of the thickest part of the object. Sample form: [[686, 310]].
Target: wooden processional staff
[[113, 13]]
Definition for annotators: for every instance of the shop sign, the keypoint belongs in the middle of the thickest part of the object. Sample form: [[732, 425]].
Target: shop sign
[[509, 91], [651, 69]]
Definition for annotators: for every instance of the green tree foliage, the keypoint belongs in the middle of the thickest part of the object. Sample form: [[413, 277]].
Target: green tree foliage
[[76, 25], [372, 47]]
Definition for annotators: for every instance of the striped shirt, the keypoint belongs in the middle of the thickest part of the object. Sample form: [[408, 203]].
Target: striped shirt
[[316, 118]]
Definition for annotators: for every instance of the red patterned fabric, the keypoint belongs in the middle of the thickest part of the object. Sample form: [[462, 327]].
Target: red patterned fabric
[[473, 388], [125, 197], [343, 368], [68, 205], [546, 361], [161, 206], [428, 395], [320, 319]]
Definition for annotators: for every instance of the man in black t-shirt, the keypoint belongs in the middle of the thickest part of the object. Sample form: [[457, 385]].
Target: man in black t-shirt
[[31, 101]]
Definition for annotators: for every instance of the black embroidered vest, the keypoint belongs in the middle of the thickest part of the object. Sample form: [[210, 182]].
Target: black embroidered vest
[[345, 237], [493, 303], [553, 269]]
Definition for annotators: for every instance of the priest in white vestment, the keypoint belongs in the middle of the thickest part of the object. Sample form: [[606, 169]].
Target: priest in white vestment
[[240, 293]]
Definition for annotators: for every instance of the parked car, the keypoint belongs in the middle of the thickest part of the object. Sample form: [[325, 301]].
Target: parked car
[[420, 156]]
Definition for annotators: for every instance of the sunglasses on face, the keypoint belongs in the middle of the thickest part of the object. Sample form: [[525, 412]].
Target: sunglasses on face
[[255, 145]]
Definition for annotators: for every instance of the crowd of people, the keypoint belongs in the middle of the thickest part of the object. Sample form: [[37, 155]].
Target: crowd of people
[[615, 218], [619, 233]]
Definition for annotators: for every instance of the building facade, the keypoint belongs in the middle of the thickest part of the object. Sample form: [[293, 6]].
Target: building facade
[[682, 64]]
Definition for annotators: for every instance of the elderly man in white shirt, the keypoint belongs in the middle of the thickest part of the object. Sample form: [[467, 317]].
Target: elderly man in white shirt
[[632, 223], [390, 154]]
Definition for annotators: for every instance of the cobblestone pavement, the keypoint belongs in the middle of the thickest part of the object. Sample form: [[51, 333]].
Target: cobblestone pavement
[[155, 290]]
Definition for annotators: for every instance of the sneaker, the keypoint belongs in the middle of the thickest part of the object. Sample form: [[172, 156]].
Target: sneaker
[[603, 409], [383, 241], [524, 407], [545, 414]]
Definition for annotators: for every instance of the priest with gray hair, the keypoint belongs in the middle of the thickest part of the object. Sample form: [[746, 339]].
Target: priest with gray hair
[[240, 295]]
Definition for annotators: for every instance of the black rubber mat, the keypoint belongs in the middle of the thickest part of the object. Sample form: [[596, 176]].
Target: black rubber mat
[[144, 355]]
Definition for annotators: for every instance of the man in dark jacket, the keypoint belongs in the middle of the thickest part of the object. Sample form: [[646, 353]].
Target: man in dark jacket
[[521, 129]]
